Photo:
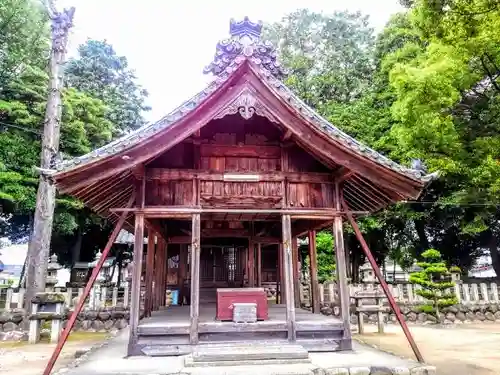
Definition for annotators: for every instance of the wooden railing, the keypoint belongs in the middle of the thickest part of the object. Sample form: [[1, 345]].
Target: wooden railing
[[406, 293]]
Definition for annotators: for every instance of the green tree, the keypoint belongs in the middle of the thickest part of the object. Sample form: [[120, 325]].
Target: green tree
[[85, 125], [23, 37], [435, 280], [447, 114], [325, 256], [99, 72], [329, 56]]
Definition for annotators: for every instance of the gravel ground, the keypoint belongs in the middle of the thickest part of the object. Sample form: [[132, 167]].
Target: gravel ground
[[468, 349], [25, 359]]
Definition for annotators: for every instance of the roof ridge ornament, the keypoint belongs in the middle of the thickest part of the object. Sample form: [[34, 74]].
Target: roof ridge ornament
[[246, 104], [246, 42]]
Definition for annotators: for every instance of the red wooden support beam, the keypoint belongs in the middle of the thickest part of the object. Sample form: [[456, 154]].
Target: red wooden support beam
[[86, 291], [383, 283]]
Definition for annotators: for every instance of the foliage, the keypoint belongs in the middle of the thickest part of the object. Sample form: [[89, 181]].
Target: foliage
[[328, 55], [434, 278], [101, 101], [23, 37], [428, 87], [325, 256], [101, 73]]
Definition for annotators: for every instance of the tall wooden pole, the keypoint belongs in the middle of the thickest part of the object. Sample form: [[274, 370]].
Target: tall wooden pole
[[39, 246], [343, 288], [181, 276], [313, 271], [259, 264], [288, 275], [195, 280], [150, 260], [296, 271], [135, 300]]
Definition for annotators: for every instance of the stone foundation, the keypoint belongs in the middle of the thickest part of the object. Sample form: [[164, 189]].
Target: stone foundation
[[457, 314], [13, 328], [102, 320]]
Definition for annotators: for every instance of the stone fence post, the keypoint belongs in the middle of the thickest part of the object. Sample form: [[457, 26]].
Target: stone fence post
[[46, 307]]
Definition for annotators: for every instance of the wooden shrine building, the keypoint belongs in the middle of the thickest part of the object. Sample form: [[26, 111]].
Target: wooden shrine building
[[222, 187]]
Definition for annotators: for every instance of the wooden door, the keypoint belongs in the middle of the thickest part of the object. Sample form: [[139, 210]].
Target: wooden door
[[222, 266]]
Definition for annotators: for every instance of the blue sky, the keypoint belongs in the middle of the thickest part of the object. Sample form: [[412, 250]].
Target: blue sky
[[169, 42]]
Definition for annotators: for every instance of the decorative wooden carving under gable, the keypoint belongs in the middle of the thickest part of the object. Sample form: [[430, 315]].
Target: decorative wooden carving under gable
[[246, 104]]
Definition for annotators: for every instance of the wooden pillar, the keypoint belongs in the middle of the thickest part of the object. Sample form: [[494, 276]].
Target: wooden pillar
[[195, 279], [343, 288], [157, 274], [150, 258], [135, 300], [251, 263], [281, 275], [278, 275], [313, 271], [161, 270], [160, 273], [181, 275], [296, 273], [165, 274], [259, 265], [288, 275]]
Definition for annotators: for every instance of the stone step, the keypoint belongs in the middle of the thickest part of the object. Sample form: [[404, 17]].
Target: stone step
[[189, 362], [249, 352]]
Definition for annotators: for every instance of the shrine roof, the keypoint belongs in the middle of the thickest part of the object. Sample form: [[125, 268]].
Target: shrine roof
[[243, 46]]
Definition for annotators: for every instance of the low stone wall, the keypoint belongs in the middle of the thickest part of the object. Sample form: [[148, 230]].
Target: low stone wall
[[13, 328], [450, 315], [102, 320]]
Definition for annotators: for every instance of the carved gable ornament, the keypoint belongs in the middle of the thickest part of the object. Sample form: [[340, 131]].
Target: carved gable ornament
[[245, 42], [246, 104]]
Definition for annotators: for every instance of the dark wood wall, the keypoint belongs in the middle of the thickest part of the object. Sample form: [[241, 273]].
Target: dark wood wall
[[193, 171]]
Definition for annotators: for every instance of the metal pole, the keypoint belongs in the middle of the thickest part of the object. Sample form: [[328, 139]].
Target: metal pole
[[385, 287], [88, 287]]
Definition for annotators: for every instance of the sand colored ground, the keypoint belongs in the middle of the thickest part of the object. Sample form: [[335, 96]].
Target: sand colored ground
[[24, 359], [468, 349]]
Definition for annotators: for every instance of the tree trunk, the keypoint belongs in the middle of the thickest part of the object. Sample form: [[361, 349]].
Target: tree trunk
[[422, 236], [495, 254], [22, 277], [112, 272], [77, 247], [39, 246], [120, 271]]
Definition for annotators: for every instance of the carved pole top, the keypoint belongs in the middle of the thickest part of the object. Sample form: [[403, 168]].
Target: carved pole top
[[61, 23]]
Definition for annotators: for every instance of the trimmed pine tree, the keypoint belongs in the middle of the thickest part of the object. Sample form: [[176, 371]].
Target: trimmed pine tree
[[435, 280]]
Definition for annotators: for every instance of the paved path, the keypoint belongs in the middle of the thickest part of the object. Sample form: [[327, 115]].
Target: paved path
[[467, 349], [110, 360]]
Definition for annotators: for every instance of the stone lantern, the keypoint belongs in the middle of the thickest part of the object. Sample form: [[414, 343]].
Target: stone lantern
[[456, 274], [52, 270], [367, 274]]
